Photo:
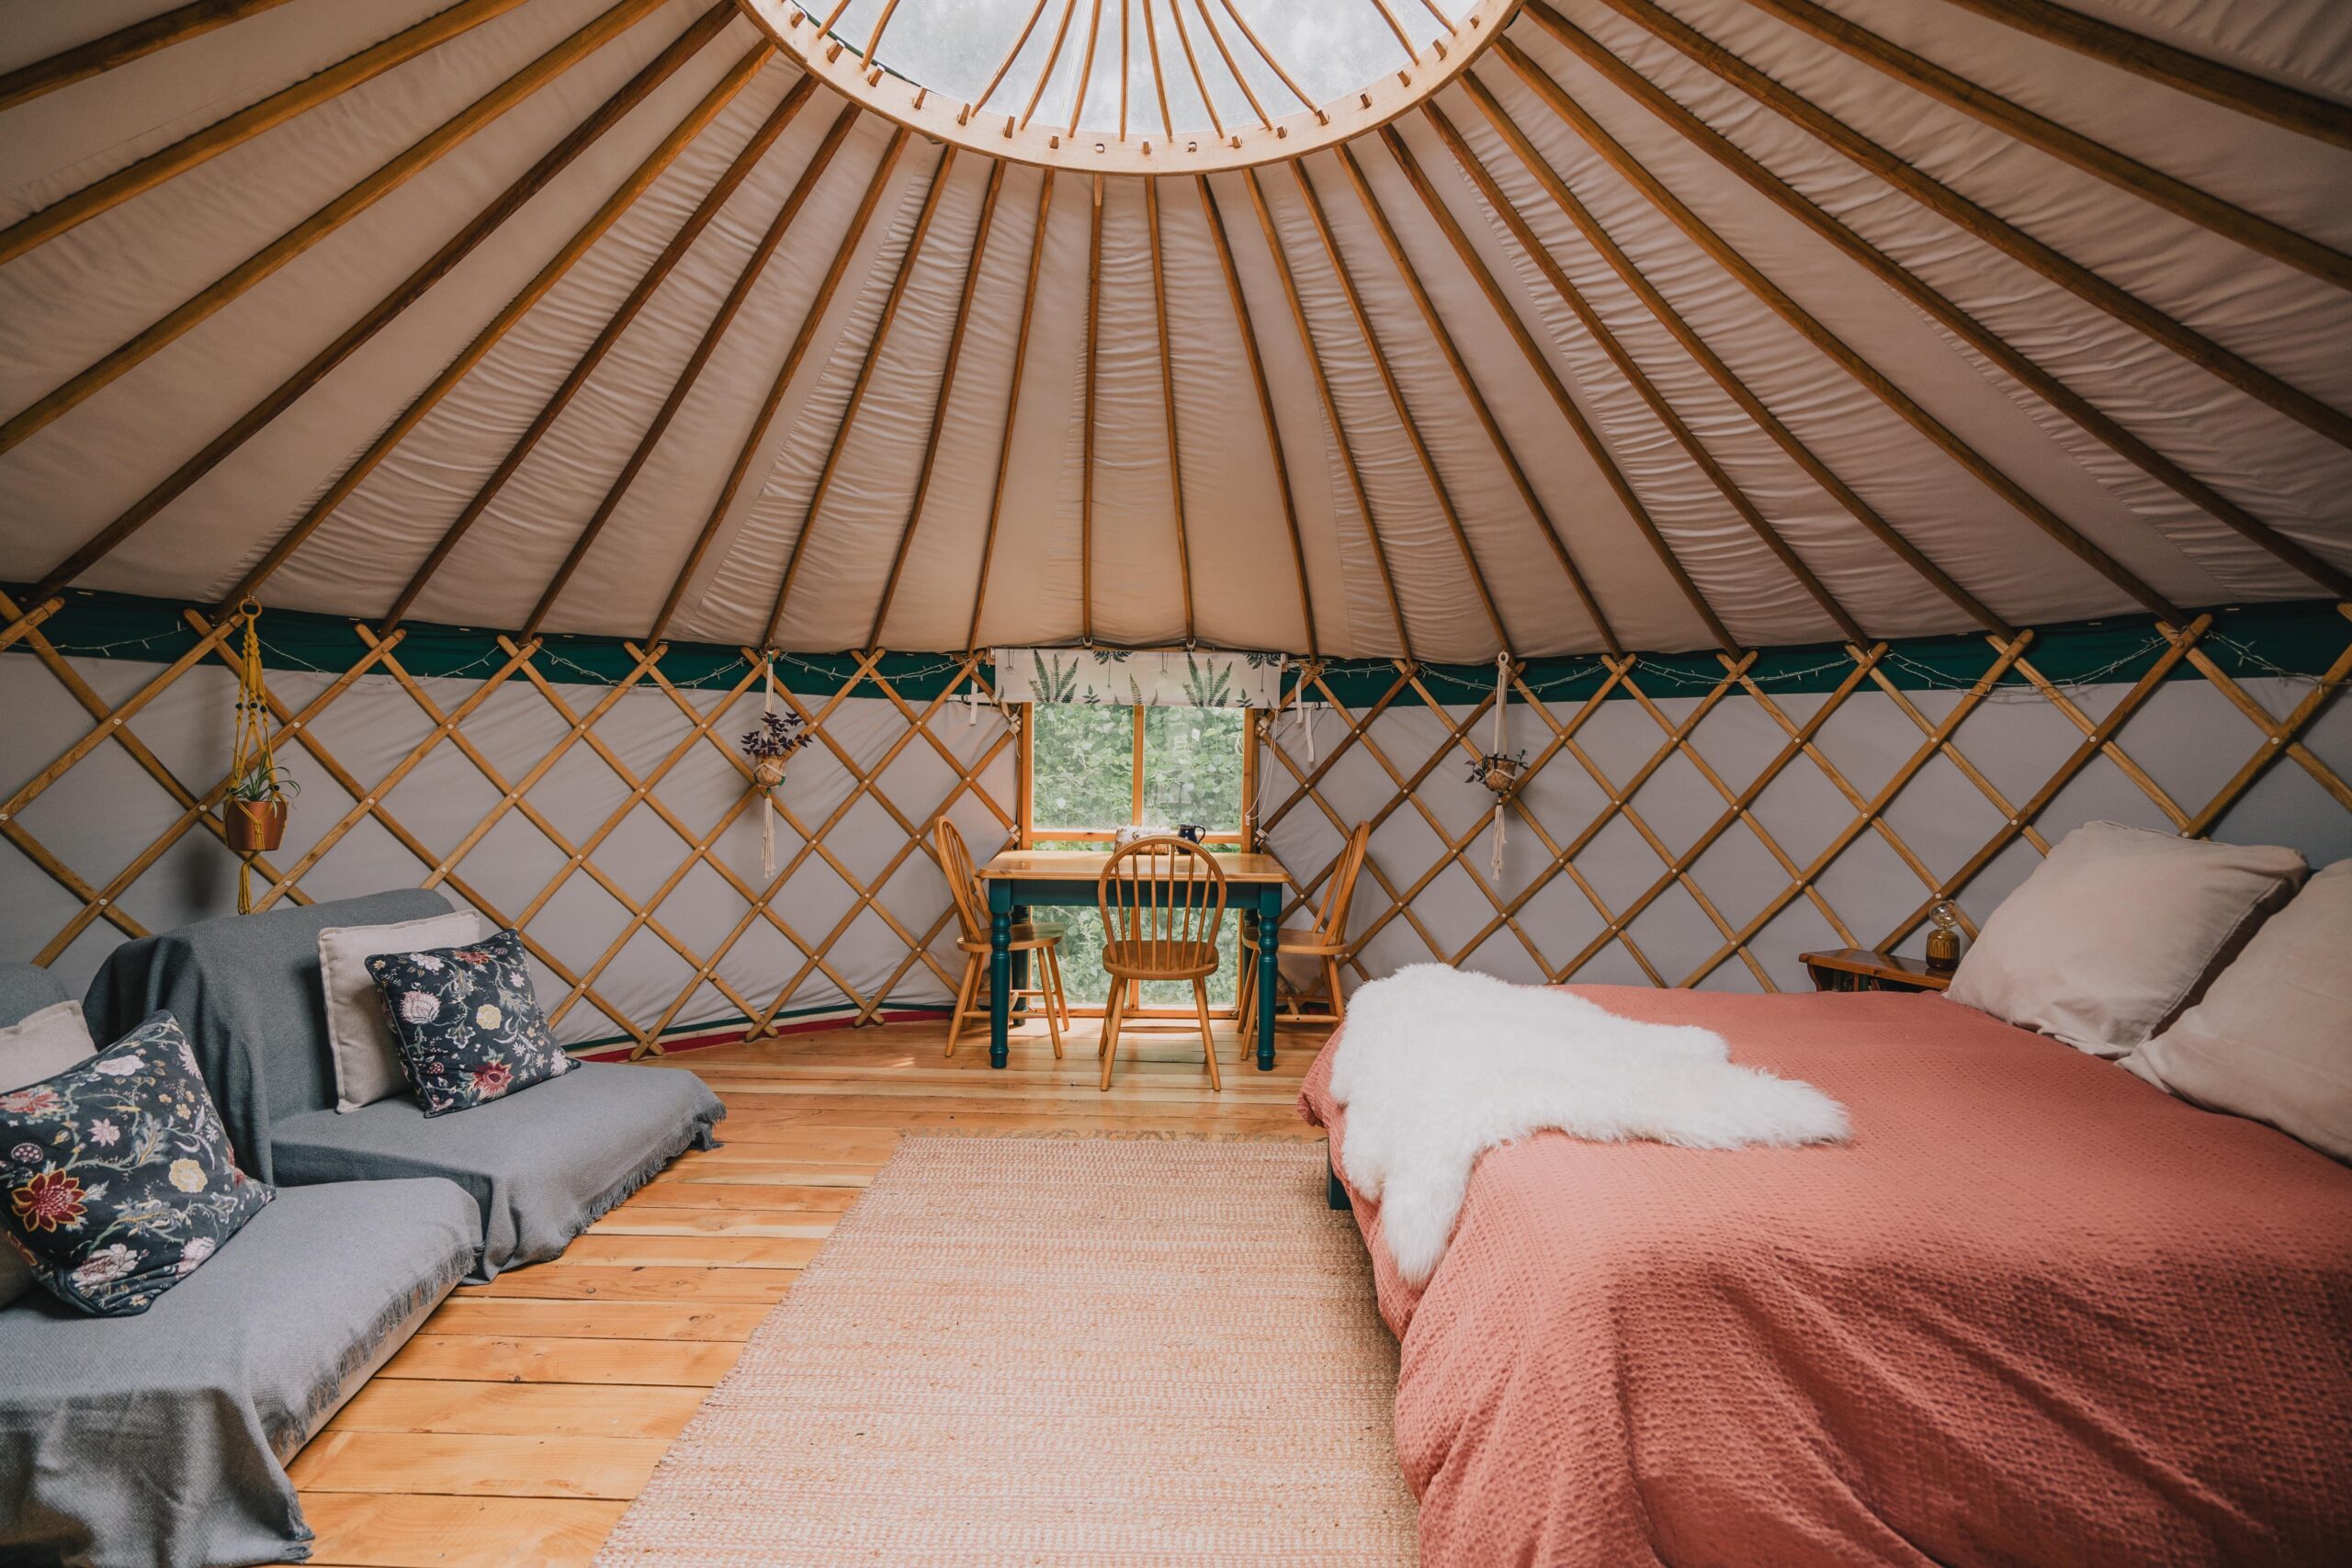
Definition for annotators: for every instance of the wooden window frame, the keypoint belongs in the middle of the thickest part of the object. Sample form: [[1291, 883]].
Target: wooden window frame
[[1030, 832]]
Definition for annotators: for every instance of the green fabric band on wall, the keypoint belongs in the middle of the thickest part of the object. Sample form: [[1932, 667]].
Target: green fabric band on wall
[[2299, 639]]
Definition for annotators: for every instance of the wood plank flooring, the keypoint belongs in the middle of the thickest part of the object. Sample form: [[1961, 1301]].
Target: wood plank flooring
[[519, 1422]]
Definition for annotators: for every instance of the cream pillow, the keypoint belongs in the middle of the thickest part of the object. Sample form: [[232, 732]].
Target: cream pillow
[[366, 1068], [2272, 1039], [39, 1045], [2117, 931]]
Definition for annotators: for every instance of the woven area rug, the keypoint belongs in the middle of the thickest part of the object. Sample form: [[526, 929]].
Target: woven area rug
[[1055, 1351]]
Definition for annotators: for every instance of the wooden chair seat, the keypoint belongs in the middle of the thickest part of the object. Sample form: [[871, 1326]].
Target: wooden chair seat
[[1160, 925], [1037, 937], [1159, 961], [1027, 936], [1326, 941], [1298, 938]]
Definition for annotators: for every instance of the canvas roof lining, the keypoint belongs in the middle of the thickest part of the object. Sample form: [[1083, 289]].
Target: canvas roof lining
[[70, 300]]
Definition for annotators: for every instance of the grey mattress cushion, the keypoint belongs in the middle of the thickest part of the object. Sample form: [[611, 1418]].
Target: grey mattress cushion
[[161, 1440], [246, 988], [543, 1163], [26, 988]]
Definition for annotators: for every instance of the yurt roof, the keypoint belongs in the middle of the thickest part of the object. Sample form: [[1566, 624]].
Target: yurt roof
[[1545, 327]]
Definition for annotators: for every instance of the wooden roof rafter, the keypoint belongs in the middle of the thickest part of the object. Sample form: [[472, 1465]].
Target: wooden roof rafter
[[2228, 366], [1537, 513], [2073, 404], [649, 169], [747, 276], [233, 130], [2240, 91], [124, 45], [755, 437], [1011, 409], [486, 222], [1330, 411], [1597, 235], [2153, 185], [1249, 351], [1839, 352], [355, 199], [739, 169], [982, 231], [835, 449], [1638, 380], [1426, 459]]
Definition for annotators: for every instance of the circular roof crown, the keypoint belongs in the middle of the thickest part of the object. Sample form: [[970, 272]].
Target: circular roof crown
[[1136, 87]]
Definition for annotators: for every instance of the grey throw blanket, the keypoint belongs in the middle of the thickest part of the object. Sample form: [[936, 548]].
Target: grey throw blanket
[[246, 990]]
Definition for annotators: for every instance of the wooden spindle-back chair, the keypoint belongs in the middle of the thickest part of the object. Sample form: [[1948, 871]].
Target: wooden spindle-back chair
[[1040, 938], [1326, 940], [1163, 901]]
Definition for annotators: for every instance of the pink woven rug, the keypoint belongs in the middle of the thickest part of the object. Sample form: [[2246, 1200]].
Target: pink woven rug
[[1055, 1351]]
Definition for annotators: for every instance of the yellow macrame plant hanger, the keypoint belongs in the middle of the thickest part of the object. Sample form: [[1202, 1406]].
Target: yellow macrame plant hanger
[[252, 827]]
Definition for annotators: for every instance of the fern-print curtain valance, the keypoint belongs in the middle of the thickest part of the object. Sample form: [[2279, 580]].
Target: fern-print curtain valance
[[1173, 678]]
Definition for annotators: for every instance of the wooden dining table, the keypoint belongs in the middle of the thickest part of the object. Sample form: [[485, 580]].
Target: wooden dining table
[[1024, 879]]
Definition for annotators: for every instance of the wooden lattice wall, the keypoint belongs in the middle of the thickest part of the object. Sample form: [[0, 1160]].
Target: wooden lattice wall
[[1676, 825]]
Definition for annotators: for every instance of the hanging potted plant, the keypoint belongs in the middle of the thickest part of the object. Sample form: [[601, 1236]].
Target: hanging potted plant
[[254, 809], [253, 803]]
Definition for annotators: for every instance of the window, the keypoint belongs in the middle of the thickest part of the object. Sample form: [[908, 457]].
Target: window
[[1095, 768]]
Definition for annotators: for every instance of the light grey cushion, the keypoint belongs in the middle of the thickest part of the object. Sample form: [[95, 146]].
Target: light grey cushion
[[246, 988], [159, 1440], [2117, 931], [39, 1044], [366, 1066], [2272, 1039], [542, 1164], [43, 1045]]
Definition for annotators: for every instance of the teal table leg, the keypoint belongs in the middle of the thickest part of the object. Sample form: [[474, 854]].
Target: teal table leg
[[1000, 971], [1270, 914]]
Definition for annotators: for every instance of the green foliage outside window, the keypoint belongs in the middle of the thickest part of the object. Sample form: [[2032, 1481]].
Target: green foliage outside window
[[1081, 775]]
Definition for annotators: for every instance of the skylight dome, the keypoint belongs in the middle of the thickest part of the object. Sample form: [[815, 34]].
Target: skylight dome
[[1136, 87]]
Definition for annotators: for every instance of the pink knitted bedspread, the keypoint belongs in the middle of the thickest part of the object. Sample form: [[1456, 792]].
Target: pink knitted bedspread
[[2037, 1312]]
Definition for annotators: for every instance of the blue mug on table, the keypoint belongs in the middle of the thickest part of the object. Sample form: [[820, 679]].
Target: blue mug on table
[[1189, 832]]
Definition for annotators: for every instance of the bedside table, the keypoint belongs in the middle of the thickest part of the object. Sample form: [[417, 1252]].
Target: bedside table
[[1858, 969]]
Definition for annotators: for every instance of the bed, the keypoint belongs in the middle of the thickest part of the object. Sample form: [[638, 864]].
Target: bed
[[2037, 1311]]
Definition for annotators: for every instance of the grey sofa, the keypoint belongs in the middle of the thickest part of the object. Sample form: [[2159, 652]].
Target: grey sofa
[[541, 1166], [161, 1441]]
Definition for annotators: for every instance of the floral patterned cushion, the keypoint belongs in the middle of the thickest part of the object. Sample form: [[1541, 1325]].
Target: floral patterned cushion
[[116, 1179], [466, 1022]]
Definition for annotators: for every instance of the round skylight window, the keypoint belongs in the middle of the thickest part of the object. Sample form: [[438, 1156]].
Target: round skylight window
[[1136, 87]]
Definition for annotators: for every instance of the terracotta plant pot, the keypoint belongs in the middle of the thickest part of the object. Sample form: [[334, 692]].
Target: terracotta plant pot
[[255, 827]]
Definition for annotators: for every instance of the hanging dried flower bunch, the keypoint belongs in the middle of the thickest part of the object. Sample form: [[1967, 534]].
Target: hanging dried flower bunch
[[777, 738], [1499, 772]]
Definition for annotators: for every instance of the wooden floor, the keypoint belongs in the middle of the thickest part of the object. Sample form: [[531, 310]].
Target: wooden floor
[[517, 1425]]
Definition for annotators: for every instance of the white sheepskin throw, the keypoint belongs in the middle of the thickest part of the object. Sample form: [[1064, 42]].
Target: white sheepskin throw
[[1436, 1065]]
